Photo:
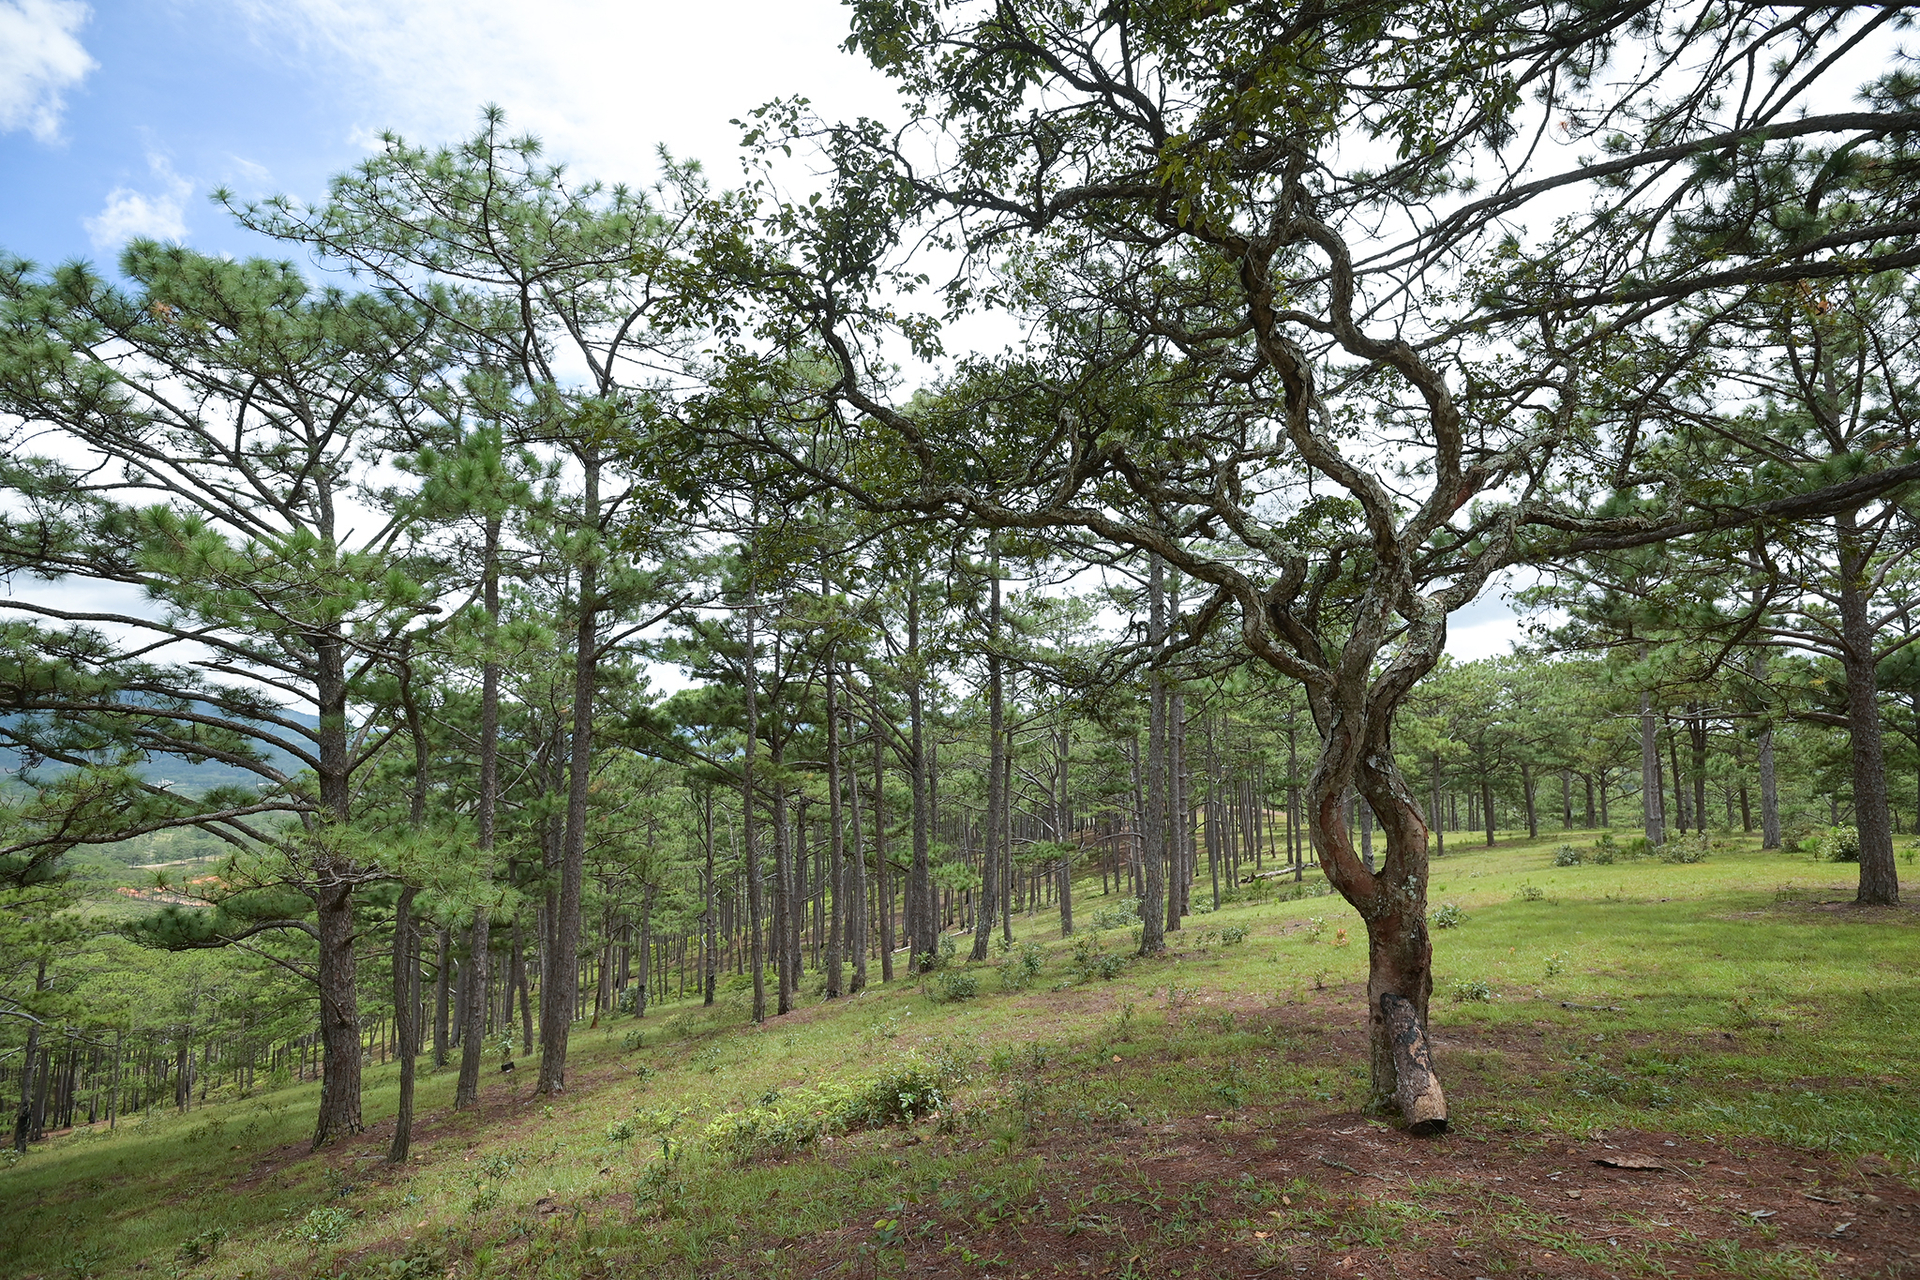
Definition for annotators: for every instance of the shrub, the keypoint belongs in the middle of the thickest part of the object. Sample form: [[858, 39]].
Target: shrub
[[1022, 968], [203, 1247], [1315, 927], [1090, 959], [784, 1124], [1567, 856], [1529, 893], [1294, 890], [1839, 844], [1447, 915], [1474, 990], [902, 1093], [620, 1131], [1233, 934], [1122, 915], [1637, 847], [320, 1227], [955, 984], [1556, 963], [1686, 850]]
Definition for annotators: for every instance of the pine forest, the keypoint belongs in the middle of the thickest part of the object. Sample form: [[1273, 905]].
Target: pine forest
[[891, 703]]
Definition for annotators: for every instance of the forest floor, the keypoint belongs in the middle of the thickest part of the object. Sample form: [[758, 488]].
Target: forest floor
[[1653, 1070]]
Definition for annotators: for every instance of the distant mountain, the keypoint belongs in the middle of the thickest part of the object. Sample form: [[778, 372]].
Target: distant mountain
[[176, 774]]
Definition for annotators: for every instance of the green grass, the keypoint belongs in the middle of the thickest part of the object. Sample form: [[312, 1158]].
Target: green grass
[[1713, 999]]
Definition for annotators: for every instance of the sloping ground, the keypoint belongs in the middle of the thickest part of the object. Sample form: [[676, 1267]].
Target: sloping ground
[[1194, 1116]]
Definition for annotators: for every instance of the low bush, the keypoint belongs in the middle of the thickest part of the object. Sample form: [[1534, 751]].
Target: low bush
[[1838, 844], [1121, 915], [1020, 969], [1529, 893], [955, 984], [1295, 890], [784, 1122], [321, 1227], [1470, 990], [1447, 915], [779, 1124], [1685, 850], [1089, 959], [1567, 856], [203, 1247], [902, 1093]]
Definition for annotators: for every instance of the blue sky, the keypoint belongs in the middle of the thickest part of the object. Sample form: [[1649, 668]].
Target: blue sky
[[119, 118]]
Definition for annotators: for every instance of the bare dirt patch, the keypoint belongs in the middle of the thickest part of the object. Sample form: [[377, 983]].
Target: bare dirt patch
[[1337, 1196]]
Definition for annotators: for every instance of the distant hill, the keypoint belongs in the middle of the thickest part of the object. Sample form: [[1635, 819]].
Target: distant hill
[[174, 773]]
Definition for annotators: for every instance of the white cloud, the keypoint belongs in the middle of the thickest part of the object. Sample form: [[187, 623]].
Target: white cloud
[[40, 56], [253, 173], [128, 213], [601, 81]]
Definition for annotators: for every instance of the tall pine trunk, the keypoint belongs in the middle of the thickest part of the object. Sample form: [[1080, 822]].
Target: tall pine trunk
[[993, 854], [560, 991], [923, 926], [1652, 787], [1154, 819], [1879, 882], [750, 827], [336, 972], [406, 1023]]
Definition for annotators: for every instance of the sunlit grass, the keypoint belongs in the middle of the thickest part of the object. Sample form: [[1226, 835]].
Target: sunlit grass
[[1712, 998]]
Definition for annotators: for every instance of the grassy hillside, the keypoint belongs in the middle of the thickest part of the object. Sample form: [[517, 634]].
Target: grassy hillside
[[1192, 1115]]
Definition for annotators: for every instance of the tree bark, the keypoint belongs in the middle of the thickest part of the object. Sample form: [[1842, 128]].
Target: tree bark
[[1417, 1088], [1879, 881], [756, 905], [786, 897], [923, 926], [858, 927], [406, 998], [836, 839], [559, 993], [1652, 785], [1697, 741], [335, 967], [881, 867], [442, 991], [339, 1011], [477, 974], [1526, 788], [1155, 825], [1063, 826], [993, 852]]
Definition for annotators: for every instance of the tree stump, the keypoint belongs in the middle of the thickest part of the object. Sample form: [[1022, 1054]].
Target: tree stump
[[1417, 1088]]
